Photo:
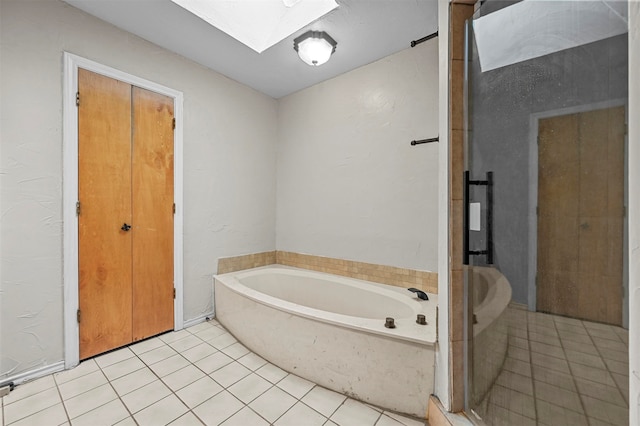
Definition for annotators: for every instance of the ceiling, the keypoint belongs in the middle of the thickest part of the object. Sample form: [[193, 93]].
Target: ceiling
[[366, 30]]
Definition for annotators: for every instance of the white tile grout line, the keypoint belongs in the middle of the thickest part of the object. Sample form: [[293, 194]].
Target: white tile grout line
[[190, 410]]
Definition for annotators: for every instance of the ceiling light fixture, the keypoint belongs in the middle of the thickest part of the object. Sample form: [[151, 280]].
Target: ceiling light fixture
[[314, 47]]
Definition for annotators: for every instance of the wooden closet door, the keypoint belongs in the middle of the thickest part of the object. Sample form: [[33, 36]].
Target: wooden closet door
[[104, 186], [581, 215], [152, 193]]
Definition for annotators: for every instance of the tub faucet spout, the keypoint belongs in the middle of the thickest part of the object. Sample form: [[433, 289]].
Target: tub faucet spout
[[421, 294]]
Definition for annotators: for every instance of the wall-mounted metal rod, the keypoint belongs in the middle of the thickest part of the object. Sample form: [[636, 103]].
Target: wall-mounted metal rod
[[421, 141], [423, 39]]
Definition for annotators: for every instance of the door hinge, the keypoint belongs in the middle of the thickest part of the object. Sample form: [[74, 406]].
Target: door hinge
[[174, 208], [78, 208], [77, 98], [173, 124], [174, 292], [78, 315]]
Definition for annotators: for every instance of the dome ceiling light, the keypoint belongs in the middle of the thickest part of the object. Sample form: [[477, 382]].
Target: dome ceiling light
[[314, 47]]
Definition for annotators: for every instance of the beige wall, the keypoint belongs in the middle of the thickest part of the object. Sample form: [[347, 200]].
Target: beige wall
[[350, 185], [229, 168]]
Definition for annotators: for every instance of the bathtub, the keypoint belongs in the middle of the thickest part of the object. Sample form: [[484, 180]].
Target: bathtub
[[491, 295], [330, 330]]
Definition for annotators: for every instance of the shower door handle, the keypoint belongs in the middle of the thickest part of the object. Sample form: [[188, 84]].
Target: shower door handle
[[488, 252]]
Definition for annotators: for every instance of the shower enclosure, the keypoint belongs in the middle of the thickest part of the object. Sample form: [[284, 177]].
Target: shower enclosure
[[546, 92]]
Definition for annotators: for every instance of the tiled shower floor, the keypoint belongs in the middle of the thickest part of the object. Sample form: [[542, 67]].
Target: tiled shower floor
[[561, 371], [200, 375]]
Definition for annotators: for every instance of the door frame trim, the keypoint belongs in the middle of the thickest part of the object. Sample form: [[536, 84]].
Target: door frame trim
[[71, 63], [534, 120]]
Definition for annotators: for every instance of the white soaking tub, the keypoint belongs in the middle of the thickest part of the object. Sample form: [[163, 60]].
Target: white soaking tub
[[330, 330]]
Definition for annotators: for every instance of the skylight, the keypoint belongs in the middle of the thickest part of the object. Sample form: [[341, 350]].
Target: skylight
[[259, 24]]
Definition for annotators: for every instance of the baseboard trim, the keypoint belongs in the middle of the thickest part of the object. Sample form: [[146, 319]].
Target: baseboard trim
[[198, 320], [37, 373]]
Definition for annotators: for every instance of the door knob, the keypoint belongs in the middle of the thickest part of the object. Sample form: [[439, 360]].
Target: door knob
[[125, 227]]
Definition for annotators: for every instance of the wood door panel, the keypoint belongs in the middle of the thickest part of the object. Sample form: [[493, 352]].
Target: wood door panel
[[104, 121], [580, 220], [152, 182]]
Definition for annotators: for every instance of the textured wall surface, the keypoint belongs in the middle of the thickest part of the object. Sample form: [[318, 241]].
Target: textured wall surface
[[350, 185], [229, 168]]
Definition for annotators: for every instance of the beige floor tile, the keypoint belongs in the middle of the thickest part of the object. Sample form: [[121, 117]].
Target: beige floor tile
[[519, 342], [213, 362], [614, 355], [406, 421], [133, 381], [173, 336], [553, 415], [617, 366], [498, 416], [569, 336], [183, 377], [218, 409], [122, 368], [249, 388], [514, 401], [187, 419], [199, 391], [544, 338], [573, 329], [593, 374], [324, 401], [605, 393], [515, 382], [622, 380], [547, 331], [518, 353], [355, 413], [113, 357], [210, 333], [605, 411], [54, 415], [585, 359], [300, 414], [611, 345], [147, 345], [553, 377], [558, 396], [295, 386], [550, 362], [145, 396], [272, 404], [252, 361], [85, 367], [195, 329], [162, 412], [82, 384], [222, 341], [158, 354], [549, 350], [230, 374], [185, 343], [235, 351], [89, 400], [585, 348], [29, 388], [245, 417], [271, 373], [108, 414], [517, 366], [199, 352], [167, 366]]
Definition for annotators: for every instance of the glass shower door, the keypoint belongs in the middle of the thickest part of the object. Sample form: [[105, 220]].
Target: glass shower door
[[546, 89]]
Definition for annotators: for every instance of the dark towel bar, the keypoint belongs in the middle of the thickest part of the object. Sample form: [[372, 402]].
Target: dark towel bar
[[489, 250], [423, 39], [421, 141]]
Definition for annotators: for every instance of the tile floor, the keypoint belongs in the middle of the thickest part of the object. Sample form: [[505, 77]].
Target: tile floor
[[560, 371], [200, 375]]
